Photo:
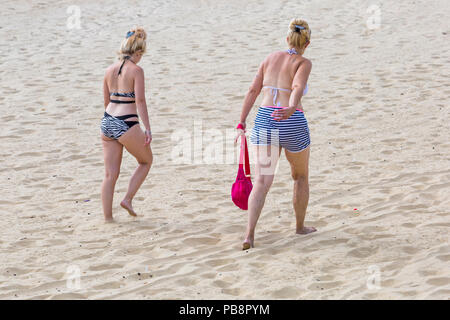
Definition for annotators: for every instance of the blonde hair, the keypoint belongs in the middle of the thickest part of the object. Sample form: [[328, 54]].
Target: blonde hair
[[134, 42], [298, 37]]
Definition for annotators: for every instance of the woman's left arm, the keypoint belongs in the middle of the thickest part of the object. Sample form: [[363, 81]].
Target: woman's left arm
[[141, 104]]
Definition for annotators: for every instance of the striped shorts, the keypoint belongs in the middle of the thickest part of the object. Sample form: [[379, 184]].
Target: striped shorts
[[291, 134]]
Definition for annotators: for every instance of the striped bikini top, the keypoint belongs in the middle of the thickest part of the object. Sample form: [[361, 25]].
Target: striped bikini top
[[125, 95], [275, 90]]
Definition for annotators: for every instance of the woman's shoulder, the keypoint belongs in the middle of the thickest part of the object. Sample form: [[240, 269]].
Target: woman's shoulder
[[272, 56], [135, 69], [275, 54], [305, 61], [116, 65], [138, 69], [111, 67]]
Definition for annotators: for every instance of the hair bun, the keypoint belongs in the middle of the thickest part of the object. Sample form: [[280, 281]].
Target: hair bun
[[299, 34], [139, 33], [298, 25], [134, 42]]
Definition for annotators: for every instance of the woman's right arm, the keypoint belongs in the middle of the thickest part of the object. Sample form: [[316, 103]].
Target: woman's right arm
[[299, 83], [141, 104]]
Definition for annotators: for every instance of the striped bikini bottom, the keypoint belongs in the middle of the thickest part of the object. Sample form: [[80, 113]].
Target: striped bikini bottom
[[291, 134], [114, 127]]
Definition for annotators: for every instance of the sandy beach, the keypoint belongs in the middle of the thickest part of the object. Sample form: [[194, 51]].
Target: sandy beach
[[378, 112]]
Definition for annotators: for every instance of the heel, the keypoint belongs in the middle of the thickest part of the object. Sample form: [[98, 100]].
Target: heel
[[246, 245]]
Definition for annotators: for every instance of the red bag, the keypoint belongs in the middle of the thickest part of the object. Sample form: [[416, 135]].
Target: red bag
[[240, 191]]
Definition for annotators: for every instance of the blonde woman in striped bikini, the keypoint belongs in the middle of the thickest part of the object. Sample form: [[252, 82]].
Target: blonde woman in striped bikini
[[124, 97]]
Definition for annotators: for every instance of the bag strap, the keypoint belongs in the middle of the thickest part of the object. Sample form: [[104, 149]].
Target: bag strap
[[244, 153]]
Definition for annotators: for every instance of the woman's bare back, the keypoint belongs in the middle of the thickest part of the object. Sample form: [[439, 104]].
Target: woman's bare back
[[123, 83], [279, 70]]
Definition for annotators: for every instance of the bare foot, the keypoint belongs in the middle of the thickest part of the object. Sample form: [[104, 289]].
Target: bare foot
[[247, 244], [109, 220], [306, 230], [127, 206]]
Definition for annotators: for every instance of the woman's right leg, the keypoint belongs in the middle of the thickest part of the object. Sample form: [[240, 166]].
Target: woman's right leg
[[134, 140], [112, 153], [299, 162], [266, 161]]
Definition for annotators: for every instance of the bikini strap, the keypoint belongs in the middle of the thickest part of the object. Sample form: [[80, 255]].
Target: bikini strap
[[244, 153], [122, 101], [126, 116], [291, 51], [124, 59], [275, 91]]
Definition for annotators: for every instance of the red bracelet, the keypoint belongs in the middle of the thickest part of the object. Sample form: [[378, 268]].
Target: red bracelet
[[240, 126]]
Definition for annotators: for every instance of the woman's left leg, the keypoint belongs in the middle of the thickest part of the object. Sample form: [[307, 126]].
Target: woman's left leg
[[134, 140]]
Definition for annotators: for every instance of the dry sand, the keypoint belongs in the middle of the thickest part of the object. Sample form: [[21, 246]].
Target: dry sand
[[378, 110]]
